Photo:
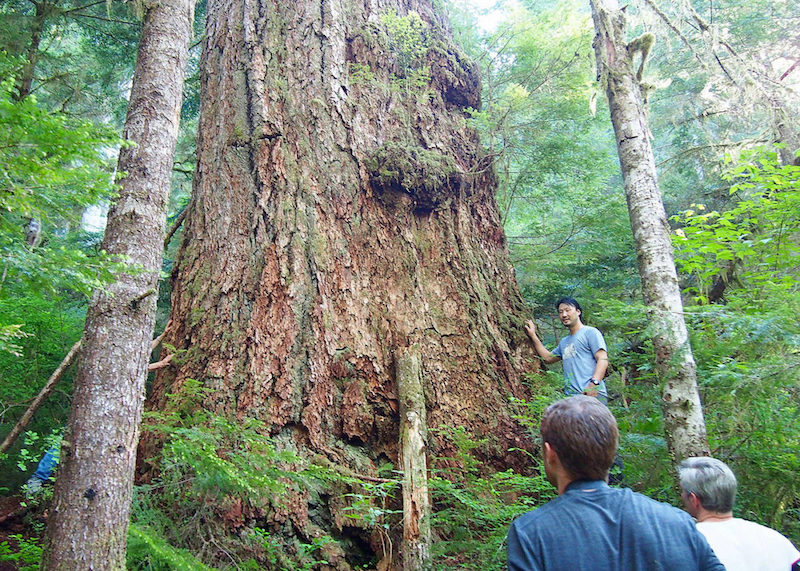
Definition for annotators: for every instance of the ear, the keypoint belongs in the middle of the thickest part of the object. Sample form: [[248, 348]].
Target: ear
[[549, 453], [692, 503]]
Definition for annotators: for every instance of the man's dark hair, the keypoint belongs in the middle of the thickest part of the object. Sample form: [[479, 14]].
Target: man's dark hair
[[584, 434], [569, 301]]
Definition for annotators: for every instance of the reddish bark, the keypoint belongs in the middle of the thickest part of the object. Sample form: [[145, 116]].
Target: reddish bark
[[304, 268]]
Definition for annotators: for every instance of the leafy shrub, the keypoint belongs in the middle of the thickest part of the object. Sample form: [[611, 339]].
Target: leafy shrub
[[25, 555], [210, 466], [52, 324], [756, 241]]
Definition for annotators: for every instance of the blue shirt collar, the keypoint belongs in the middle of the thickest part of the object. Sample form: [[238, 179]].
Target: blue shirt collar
[[579, 485]]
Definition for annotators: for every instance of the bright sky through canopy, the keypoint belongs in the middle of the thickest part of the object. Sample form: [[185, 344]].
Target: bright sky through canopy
[[490, 12]]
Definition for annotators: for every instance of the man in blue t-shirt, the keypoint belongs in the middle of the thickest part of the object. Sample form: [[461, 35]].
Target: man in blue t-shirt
[[583, 352], [591, 525]]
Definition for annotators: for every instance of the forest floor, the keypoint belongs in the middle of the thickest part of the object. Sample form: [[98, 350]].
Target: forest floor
[[13, 522], [12, 512]]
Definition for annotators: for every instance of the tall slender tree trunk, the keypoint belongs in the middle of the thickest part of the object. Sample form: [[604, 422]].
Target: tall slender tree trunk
[[339, 217], [44, 9], [89, 521], [683, 413]]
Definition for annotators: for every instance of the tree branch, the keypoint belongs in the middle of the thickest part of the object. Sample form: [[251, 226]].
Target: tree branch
[[790, 70], [112, 20], [79, 8], [40, 398], [51, 384], [675, 29], [174, 227]]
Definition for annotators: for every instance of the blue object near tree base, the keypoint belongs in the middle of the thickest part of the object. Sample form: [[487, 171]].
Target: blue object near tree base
[[47, 464], [44, 471]]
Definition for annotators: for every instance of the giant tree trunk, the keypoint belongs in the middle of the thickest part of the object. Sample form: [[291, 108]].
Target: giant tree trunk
[[337, 219], [683, 414], [89, 519]]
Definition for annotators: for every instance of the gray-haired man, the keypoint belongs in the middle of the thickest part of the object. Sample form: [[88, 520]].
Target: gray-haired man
[[709, 491]]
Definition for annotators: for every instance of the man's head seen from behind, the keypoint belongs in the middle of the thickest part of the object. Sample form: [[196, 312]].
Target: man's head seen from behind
[[583, 433], [710, 481]]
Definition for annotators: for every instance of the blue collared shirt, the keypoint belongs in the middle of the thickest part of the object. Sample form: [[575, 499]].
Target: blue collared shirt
[[593, 526]]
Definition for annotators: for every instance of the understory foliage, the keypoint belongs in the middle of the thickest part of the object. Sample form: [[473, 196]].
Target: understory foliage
[[217, 477], [754, 244], [748, 348], [747, 345], [472, 510], [749, 360], [52, 166], [51, 323], [23, 553], [736, 221], [213, 470]]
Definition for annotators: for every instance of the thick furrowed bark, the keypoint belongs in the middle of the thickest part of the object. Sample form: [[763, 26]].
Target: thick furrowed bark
[[305, 268]]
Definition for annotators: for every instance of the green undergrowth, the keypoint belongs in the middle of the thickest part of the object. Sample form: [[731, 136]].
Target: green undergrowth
[[219, 478], [21, 553], [213, 469], [471, 516], [50, 324], [472, 509], [147, 550]]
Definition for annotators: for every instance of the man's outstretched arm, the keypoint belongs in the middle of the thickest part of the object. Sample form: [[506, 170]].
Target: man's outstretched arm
[[541, 350]]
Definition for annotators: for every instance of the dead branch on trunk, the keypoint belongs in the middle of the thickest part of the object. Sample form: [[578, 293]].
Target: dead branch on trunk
[[174, 227], [413, 439], [40, 398], [53, 381]]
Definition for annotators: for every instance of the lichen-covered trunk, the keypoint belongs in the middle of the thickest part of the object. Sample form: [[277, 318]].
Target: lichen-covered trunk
[[683, 414], [342, 212], [87, 528]]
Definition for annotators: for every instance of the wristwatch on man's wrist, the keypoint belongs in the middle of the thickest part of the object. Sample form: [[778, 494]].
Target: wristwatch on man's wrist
[[594, 382]]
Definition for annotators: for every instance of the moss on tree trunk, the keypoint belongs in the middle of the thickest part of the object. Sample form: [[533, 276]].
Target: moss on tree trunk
[[299, 277]]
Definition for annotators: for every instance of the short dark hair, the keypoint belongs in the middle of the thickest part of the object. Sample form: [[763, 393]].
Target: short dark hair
[[584, 434], [711, 481], [569, 301]]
